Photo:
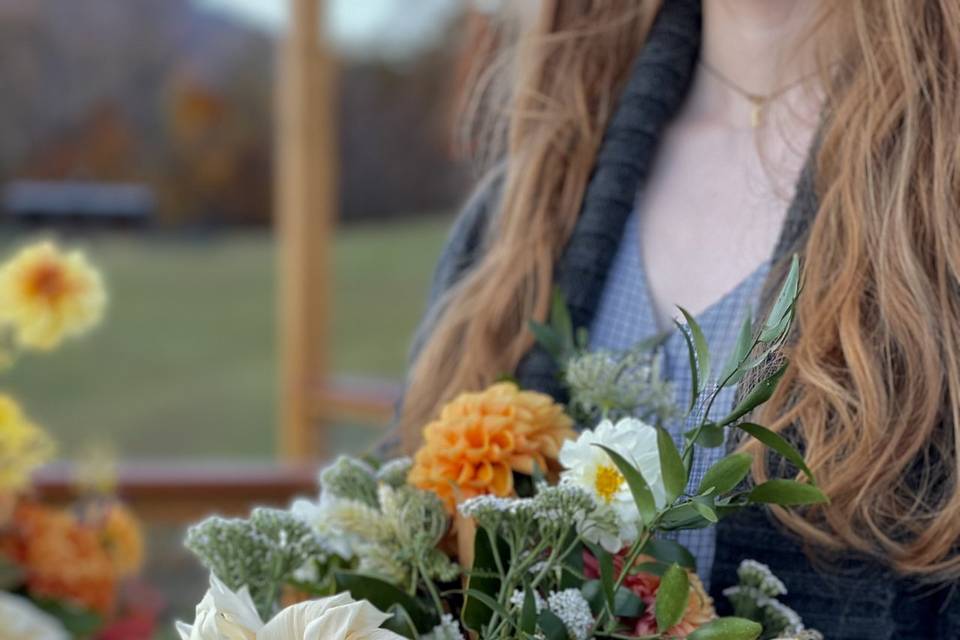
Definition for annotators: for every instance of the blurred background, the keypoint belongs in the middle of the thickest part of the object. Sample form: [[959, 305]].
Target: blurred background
[[266, 185]]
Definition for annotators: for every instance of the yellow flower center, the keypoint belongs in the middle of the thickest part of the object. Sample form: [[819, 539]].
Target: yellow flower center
[[607, 482]]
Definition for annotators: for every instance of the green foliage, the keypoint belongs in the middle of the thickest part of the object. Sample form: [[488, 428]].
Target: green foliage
[[484, 578], [80, 623], [552, 626], [671, 466], [787, 493], [384, 595], [756, 397], [672, 597], [728, 629], [699, 355], [261, 552], [638, 486], [726, 474], [777, 443]]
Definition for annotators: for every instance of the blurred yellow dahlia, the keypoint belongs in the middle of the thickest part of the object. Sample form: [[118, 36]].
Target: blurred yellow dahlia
[[47, 295], [23, 446], [481, 438]]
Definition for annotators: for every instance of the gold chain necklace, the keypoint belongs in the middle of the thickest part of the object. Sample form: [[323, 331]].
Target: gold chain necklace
[[758, 101]]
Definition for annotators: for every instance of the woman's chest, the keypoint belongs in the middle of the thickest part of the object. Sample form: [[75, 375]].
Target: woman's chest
[[714, 200]]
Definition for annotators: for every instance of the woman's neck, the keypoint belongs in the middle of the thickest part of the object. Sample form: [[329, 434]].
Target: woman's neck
[[760, 46]]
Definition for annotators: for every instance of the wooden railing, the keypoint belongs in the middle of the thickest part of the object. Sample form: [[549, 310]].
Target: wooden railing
[[185, 491], [164, 492]]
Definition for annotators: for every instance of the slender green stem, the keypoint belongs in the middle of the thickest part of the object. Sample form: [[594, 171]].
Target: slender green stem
[[635, 552], [431, 589]]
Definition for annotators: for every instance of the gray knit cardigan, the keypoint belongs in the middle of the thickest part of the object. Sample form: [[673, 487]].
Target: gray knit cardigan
[[857, 598]]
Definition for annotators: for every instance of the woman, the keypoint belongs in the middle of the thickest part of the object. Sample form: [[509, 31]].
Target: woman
[[648, 157]]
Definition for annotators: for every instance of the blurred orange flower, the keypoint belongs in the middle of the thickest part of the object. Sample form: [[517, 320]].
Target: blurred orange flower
[[47, 295], [480, 439], [122, 537], [61, 557]]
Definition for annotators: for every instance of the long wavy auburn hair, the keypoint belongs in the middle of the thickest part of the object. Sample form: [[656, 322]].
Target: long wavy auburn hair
[[873, 390]]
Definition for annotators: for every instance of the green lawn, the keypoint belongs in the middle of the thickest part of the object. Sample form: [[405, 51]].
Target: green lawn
[[185, 364]]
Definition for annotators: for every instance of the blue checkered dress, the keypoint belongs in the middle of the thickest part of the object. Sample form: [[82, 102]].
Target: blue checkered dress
[[625, 316]]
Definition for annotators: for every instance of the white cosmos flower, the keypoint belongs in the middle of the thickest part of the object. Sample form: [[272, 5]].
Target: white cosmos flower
[[225, 615], [588, 466], [22, 620]]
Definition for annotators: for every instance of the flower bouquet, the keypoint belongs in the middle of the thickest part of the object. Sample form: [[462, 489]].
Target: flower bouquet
[[64, 572], [507, 523]]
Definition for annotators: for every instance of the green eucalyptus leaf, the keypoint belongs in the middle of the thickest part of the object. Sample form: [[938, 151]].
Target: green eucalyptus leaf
[[672, 597], [704, 506], [383, 595], [726, 473], [547, 338], [483, 578], [400, 622], [757, 396], [77, 621], [10, 574], [787, 493], [571, 576], [711, 436], [671, 466], [605, 560], [773, 327], [528, 614], [728, 629], [488, 601], [670, 552], [776, 442], [733, 370], [552, 626], [583, 338], [561, 322], [682, 516], [627, 604], [653, 568], [699, 354], [639, 488], [592, 592]]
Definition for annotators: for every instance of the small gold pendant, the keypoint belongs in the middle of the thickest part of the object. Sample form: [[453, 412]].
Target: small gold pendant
[[756, 114]]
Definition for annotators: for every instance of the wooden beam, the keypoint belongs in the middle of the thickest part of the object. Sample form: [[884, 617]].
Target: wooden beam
[[306, 206], [183, 493]]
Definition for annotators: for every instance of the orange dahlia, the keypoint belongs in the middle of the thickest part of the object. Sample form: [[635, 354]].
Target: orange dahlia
[[122, 537], [480, 439], [61, 557]]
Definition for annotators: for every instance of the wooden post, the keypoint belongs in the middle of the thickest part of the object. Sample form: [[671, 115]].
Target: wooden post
[[306, 206]]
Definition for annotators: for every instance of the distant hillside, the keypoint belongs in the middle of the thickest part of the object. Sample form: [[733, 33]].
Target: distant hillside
[[180, 97]]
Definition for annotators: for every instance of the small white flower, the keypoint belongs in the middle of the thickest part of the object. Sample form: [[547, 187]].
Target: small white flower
[[448, 629], [22, 620], [226, 615], [518, 596], [570, 606], [589, 467]]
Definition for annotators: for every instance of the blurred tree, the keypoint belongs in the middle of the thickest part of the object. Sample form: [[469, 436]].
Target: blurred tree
[[181, 97]]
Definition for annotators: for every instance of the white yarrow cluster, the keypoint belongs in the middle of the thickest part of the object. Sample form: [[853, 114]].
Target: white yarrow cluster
[[758, 575], [570, 606], [516, 599], [448, 629]]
